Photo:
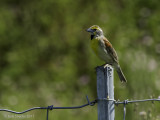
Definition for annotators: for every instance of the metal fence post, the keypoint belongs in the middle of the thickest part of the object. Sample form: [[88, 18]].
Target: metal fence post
[[105, 93]]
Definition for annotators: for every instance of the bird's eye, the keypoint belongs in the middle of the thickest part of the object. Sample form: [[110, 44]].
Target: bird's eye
[[94, 29]]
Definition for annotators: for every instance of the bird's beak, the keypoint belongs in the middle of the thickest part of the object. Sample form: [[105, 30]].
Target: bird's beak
[[89, 30]]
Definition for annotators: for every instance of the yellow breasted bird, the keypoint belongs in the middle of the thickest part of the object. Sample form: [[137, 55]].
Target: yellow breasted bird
[[104, 50]]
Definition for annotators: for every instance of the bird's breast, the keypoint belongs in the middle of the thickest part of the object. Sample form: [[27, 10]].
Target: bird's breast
[[94, 46], [99, 49]]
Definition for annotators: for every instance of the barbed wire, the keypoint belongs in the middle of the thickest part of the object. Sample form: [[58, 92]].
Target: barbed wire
[[92, 103], [125, 102]]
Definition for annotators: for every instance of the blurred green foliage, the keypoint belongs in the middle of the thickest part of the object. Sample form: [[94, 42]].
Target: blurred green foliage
[[45, 56]]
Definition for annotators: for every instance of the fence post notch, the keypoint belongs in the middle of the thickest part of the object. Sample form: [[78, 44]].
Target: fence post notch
[[105, 93]]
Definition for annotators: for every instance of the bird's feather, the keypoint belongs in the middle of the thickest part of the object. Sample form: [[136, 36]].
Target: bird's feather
[[111, 51]]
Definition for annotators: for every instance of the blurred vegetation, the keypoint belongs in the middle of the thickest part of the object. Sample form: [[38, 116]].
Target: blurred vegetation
[[45, 56]]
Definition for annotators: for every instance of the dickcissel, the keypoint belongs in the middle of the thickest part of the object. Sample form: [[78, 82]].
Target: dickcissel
[[104, 50]]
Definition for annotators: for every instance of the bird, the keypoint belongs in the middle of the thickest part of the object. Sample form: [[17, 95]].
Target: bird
[[104, 50]]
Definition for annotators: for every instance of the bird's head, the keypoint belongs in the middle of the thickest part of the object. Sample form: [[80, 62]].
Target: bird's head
[[95, 30]]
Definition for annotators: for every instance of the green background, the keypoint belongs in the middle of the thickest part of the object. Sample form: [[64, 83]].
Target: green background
[[46, 59]]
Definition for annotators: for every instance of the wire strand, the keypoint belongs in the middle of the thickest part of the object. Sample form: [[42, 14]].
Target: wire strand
[[52, 107]]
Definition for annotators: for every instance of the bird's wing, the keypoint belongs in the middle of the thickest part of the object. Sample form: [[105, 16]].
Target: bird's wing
[[111, 51]]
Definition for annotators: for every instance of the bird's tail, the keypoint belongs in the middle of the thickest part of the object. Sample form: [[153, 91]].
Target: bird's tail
[[120, 73]]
